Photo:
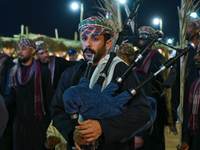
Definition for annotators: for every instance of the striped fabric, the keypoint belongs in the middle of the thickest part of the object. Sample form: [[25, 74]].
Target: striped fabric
[[40, 46], [26, 42], [95, 25], [196, 21], [193, 107], [147, 30]]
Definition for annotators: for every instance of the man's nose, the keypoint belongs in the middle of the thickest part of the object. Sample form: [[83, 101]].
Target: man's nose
[[89, 42]]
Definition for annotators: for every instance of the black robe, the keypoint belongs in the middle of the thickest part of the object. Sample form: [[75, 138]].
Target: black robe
[[3, 116], [156, 140], [193, 140], [191, 73], [29, 133], [114, 128], [6, 141], [60, 65]]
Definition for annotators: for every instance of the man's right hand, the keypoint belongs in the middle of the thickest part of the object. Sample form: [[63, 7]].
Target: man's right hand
[[184, 146], [78, 140]]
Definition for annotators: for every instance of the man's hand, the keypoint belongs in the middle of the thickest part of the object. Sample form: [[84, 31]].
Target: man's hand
[[89, 130], [138, 142], [78, 140], [184, 146], [51, 142]]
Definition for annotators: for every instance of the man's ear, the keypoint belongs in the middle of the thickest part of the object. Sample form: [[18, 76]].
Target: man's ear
[[108, 44], [33, 51], [198, 31]]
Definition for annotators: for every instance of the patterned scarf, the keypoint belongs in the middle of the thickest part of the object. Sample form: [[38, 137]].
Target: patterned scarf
[[193, 105], [17, 72], [146, 63], [51, 66], [95, 25], [127, 50]]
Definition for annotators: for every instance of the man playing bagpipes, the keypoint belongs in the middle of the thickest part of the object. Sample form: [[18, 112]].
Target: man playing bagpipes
[[96, 38], [150, 63]]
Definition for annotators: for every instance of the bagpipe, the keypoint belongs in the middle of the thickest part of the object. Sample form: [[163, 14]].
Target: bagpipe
[[96, 103]]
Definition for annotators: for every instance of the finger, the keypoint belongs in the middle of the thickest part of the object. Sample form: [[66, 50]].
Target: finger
[[88, 140], [85, 122], [77, 146]]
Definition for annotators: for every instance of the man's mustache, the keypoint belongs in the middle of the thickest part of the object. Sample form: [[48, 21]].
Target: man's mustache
[[89, 49]]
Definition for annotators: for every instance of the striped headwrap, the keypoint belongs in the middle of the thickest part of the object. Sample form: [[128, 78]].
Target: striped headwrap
[[95, 25], [196, 21], [128, 50], [40, 46], [26, 42], [146, 30]]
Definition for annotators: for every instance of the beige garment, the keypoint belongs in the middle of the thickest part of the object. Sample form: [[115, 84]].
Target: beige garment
[[100, 68], [52, 131]]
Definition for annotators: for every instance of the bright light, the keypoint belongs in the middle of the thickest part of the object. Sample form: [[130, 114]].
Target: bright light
[[156, 21], [122, 1], [169, 41], [193, 14], [74, 6]]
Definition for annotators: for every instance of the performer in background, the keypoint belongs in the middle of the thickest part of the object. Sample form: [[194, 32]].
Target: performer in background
[[6, 63], [191, 73], [3, 116], [126, 53], [96, 38], [72, 53], [192, 134], [150, 63], [56, 64], [31, 93]]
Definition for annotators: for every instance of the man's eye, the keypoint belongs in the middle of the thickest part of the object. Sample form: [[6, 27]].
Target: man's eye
[[95, 39], [84, 38]]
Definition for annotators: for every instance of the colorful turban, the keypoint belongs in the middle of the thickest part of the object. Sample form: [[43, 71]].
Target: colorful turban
[[147, 30], [40, 46], [95, 25], [26, 42], [128, 50], [196, 21]]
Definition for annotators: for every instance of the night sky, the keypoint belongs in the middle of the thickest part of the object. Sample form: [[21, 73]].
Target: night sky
[[43, 16]]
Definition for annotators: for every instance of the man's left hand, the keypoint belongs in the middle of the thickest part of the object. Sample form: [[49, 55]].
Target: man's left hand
[[90, 130]]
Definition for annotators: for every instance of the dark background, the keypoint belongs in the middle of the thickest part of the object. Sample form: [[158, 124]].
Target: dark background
[[43, 16]]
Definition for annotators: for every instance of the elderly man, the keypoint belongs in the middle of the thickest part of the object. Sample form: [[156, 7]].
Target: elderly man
[[96, 38], [56, 64], [31, 93]]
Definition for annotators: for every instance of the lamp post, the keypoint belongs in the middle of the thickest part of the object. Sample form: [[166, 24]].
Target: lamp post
[[193, 15], [75, 6], [170, 41], [158, 21]]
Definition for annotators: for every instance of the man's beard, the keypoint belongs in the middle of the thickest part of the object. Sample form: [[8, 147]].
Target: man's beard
[[142, 46], [97, 55], [189, 36], [23, 60], [46, 60]]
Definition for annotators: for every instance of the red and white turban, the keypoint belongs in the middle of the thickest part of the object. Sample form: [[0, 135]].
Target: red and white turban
[[26, 42]]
